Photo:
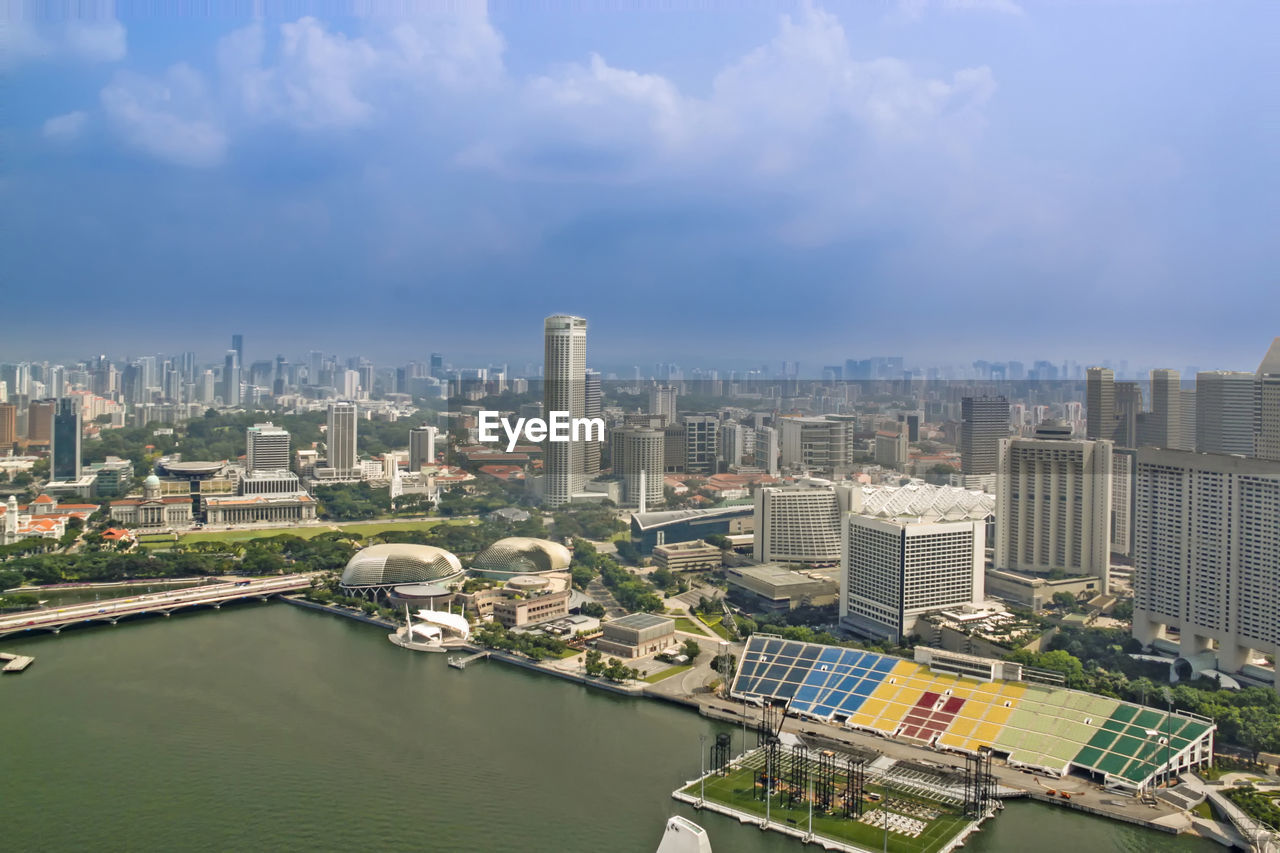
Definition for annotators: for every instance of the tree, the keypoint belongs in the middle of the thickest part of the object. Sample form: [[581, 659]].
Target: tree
[[593, 609], [1064, 600], [593, 662], [691, 649]]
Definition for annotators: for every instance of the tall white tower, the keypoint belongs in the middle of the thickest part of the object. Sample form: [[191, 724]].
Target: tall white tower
[[564, 390]]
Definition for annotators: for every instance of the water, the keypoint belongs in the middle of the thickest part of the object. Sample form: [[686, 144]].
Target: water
[[269, 727]]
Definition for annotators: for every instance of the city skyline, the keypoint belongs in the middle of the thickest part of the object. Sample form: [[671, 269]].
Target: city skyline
[[565, 163]]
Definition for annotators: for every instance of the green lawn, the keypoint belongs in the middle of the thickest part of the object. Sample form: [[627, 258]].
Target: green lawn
[[364, 528], [714, 624], [667, 673], [737, 790], [687, 625]]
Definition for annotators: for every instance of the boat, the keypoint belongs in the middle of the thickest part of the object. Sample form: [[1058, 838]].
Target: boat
[[684, 836]]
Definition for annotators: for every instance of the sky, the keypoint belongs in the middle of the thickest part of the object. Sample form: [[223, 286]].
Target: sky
[[708, 182]]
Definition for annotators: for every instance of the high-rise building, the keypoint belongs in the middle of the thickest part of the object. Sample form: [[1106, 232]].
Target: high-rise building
[[1128, 410], [1123, 461], [1054, 504], [766, 450], [437, 365], [64, 454], [564, 390], [910, 551], [1224, 412], [1267, 405], [231, 381], [594, 408], [662, 401], [983, 422], [40, 421], [821, 445], [341, 437], [701, 443], [1100, 403], [422, 447], [800, 523], [1163, 424], [637, 454], [8, 426], [267, 448], [237, 344], [1207, 555]]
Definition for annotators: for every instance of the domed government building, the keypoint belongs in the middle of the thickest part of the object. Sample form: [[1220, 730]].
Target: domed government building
[[518, 555], [372, 572]]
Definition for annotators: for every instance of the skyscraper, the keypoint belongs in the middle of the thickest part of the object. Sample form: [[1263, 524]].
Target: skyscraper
[[1100, 403], [1206, 555], [594, 409], [638, 451], [8, 426], [564, 390], [341, 437], [422, 447], [983, 422], [267, 448], [701, 443], [800, 523], [1267, 407], [64, 453], [40, 421], [231, 379], [1163, 424], [1053, 510], [662, 401], [237, 344]]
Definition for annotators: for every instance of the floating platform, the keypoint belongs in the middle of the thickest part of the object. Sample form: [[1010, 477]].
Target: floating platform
[[15, 663]]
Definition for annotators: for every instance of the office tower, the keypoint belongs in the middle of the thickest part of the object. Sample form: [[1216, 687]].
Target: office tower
[[910, 551], [1207, 555], [983, 422], [733, 443], [1187, 422], [1053, 511], [564, 390], [188, 366], [348, 384], [912, 422], [437, 365], [64, 453], [637, 454], [237, 344], [674, 453], [205, 392], [1224, 412], [422, 447], [662, 401], [40, 421], [1267, 405], [891, 446], [341, 437], [150, 380], [594, 407], [8, 426], [821, 445], [231, 379], [701, 443], [268, 448], [1100, 403], [1162, 426], [365, 370], [800, 523], [766, 450], [1128, 410]]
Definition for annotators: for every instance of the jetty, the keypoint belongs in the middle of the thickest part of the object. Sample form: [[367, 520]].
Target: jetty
[[15, 663], [461, 662]]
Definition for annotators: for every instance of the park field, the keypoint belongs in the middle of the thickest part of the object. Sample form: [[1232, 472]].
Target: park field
[[363, 528]]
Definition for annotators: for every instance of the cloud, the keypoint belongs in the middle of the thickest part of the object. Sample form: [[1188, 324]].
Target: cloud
[[67, 127], [915, 9], [169, 118], [25, 41]]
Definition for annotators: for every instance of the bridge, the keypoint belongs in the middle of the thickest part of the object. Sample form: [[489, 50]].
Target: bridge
[[163, 603]]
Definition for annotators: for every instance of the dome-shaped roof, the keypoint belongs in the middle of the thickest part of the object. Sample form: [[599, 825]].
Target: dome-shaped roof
[[152, 480], [397, 563], [520, 555]]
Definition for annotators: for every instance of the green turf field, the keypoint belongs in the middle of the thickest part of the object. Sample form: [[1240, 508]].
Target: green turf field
[[738, 791], [364, 528]]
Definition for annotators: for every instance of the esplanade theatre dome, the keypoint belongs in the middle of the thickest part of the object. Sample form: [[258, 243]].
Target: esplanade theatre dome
[[375, 570], [518, 555]]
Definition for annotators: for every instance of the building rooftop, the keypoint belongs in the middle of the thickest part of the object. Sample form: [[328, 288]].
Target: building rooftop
[[656, 519], [924, 501], [640, 621], [776, 575]]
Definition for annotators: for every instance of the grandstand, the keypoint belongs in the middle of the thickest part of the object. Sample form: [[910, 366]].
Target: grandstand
[[964, 703]]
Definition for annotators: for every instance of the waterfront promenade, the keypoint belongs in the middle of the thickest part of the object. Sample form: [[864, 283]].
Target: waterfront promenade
[[163, 603]]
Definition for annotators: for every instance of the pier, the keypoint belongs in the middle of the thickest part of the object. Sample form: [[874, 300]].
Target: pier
[[461, 662], [15, 663]]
